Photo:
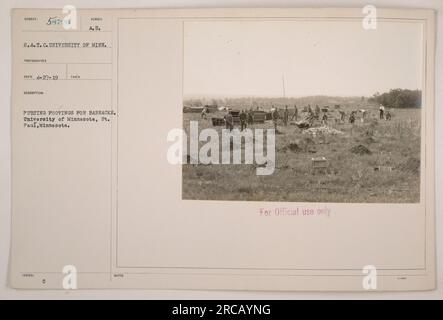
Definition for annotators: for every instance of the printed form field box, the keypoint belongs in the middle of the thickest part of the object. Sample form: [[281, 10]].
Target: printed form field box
[[91, 71]]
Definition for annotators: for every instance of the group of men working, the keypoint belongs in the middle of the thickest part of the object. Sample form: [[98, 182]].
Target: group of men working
[[353, 115], [246, 117], [316, 115], [276, 116]]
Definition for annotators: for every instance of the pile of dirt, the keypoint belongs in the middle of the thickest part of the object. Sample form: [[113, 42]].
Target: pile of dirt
[[360, 150], [303, 124], [294, 147], [369, 140], [303, 145], [411, 165], [322, 130]]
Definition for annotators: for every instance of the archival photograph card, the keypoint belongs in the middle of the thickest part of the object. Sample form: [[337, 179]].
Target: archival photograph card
[[338, 136], [228, 149]]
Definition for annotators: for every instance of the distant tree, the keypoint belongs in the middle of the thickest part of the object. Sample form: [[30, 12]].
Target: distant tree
[[398, 98]]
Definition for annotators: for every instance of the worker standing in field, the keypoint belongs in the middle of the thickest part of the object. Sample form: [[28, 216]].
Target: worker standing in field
[[324, 119], [295, 115], [251, 117], [382, 111], [342, 116], [275, 117], [317, 111], [363, 115], [352, 117], [204, 112], [243, 118], [229, 120], [311, 117], [388, 116], [286, 116]]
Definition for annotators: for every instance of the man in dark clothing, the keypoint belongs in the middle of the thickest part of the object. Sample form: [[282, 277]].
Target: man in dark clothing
[[243, 119], [317, 112], [352, 117], [342, 115], [286, 116], [204, 113], [251, 117], [311, 117], [324, 120], [382, 112], [388, 116], [275, 117], [295, 115], [229, 120]]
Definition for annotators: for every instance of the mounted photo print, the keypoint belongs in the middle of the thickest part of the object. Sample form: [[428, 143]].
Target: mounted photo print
[[231, 149]]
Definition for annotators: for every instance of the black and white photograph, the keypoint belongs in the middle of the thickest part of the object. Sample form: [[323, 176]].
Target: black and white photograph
[[344, 100], [218, 151]]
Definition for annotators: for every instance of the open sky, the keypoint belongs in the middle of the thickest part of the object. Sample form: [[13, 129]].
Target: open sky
[[339, 58]]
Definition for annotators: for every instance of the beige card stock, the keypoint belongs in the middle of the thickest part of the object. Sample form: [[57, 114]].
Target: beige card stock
[[97, 204]]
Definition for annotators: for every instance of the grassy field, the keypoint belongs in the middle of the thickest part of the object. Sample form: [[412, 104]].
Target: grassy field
[[352, 156]]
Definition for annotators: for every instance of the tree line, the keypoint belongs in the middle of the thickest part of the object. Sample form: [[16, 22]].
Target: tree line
[[398, 98], [395, 98], [268, 102]]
